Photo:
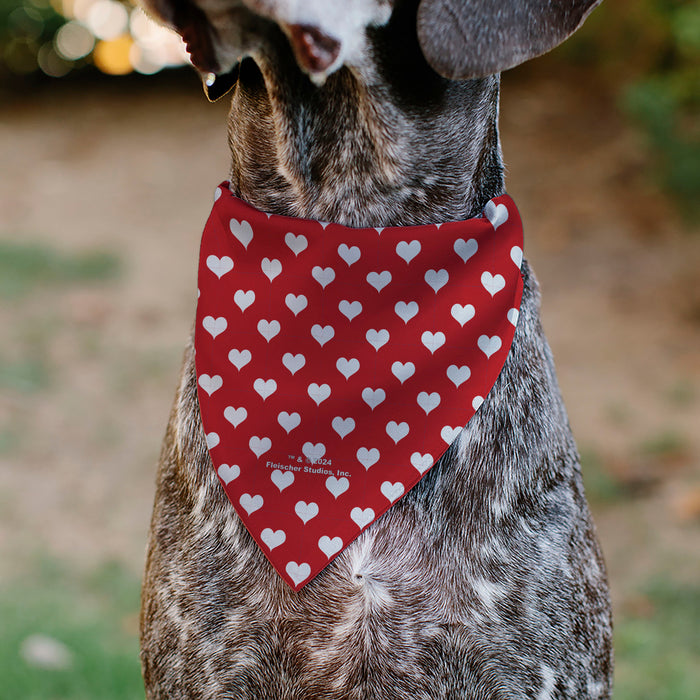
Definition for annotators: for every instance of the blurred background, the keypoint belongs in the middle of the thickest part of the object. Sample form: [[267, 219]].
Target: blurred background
[[109, 155]]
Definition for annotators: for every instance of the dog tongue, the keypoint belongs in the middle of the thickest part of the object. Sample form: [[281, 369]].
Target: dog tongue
[[314, 50]]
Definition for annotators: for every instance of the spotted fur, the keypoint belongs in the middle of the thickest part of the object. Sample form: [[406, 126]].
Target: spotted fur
[[486, 580]]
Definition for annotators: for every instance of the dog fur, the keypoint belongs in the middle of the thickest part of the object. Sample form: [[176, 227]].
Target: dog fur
[[486, 580]]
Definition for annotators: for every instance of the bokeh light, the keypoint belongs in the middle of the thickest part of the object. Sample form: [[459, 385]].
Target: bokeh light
[[58, 36]]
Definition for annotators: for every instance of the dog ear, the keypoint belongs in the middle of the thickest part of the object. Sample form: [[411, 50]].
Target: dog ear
[[190, 22], [474, 38]]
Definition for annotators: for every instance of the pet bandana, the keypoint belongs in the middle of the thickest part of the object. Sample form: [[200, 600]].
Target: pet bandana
[[335, 365]]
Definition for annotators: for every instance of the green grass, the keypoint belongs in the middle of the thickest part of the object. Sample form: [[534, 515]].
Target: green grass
[[28, 266], [94, 617], [658, 652]]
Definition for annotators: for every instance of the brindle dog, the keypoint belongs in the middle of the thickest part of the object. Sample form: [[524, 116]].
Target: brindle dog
[[486, 580]]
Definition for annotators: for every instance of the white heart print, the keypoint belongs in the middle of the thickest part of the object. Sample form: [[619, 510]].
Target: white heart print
[[322, 334], [428, 402], [330, 546], [323, 275], [289, 421], [347, 367], [293, 362], [220, 266], [251, 503], [235, 416], [437, 279], [373, 397], [496, 214], [306, 511], [242, 230], [458, 375], [227, 473], [282, 479], [265, 387], [350, 309], [214, 326], [298, 572], [273, 538], [296, 303], [462, 314], [259, 446], [313, 452], [362, 517], [337, 487], [244, 299], [379, 280], [350, 255], [343, 426], [403, 370], [466, 249], [319, 393], [422, 462], [377, 338], [492, 283], [271, 268], [392, 491], [239, 358], [397, 431], [489, 345], [268, 329], [408, 251], [210, 384], [433, 341], [406, 310], [368, 457], [296, 244]]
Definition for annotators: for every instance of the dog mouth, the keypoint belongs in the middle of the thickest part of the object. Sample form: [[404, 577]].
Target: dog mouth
[[315, 51]]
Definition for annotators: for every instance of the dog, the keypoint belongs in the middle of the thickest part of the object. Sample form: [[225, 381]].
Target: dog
[[486, 580]]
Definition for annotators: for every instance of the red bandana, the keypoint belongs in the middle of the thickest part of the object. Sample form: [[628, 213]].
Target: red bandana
[[335, 365]]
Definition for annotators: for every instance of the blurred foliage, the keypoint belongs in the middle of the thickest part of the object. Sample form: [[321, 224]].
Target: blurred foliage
[[648, 51]]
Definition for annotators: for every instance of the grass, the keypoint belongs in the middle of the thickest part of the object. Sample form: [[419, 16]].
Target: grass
[[658, 648], [94, 617], [25, 267]]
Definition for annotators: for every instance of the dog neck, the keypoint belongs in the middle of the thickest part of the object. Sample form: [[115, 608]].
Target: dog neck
[[387, 144]]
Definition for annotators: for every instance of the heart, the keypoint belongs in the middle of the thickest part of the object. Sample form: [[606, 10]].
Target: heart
[[282, 479], [313, 452], [235, 416], [273, 538], [402, 371], [397, 431], [458, 375], [347, 367], [228, 474], [433, 341], [306, 511], [293, 362], [476, 402], [350, 309], [350, 255], [298, 572], [214, 326], [343, 426], [512, 316], [210, 384], [392, 491], [462, 314], [251, 503], [497, 215], [489, 345], [362, 517], [242, 231], [450, 434], [516, 255], [289, 421], [379, 280], [265, 388], [239, 358], [322, 334], [437, 279], [217, 193], [220, 266], [337, 486], [366, 457], [259, 446], [319, 393], [296, 243], [268, 329], [428, 402], [377, 338], [212, 440], [323, 275], [408, 251], [330, 546], [271, 268], [465, 249], [296, 303], [406, 310], [373, 397], [492, 283], [422, 462], [244, 299]]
